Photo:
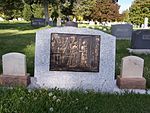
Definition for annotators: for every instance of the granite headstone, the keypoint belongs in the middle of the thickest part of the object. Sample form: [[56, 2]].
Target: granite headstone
[[62, 59], [141, 39], [122, 31], [38, 22]]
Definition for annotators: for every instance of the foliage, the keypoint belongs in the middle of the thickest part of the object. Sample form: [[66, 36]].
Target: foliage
[[105, 10], [66, 8], [38, 10], [139, 10], [125, 15], [11, 8], [27, 13], [83, 8]]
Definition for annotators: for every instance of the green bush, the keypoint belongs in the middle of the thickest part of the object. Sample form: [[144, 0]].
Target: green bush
[[38, 10], [27, 13]]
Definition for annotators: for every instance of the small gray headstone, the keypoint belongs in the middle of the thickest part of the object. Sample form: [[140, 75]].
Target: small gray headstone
[[122, 31], [140, 39], [38, 22]]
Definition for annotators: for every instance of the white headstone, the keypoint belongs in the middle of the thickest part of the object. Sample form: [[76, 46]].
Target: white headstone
[[1, 19], [146, 23], [14, 64], [50, 19], [74, 19], [132, 67], [92, 22], [58, 21]]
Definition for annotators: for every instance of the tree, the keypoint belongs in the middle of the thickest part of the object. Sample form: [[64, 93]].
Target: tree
[[106, 10], [83, 8], [38, 10], [11, 8], [27, 13], [45, 3], [125, 15], [67, 7], [138, 11]]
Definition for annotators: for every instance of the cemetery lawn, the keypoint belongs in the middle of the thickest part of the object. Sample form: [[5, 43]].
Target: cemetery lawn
[[21, 100], [20, 37]]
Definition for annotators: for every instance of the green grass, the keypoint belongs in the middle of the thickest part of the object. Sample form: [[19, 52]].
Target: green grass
[[20, 37], [20, 100]]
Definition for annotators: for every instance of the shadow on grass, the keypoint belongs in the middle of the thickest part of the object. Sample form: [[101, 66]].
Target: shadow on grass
[[17, 26]]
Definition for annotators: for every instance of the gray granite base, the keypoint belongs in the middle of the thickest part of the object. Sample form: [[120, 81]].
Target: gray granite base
[[115, 88], [139, 51]]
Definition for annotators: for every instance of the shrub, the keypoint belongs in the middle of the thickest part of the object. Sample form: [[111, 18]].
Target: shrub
[[27, 13]]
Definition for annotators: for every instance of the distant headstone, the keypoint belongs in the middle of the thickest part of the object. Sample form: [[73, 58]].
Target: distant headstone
[[91, 23], [58, 22], [1, 19], [75, 58], [140, 39], [73, 24], [74, 20], [98, 23], [20, 19], [132, 73], [14, 69], [50, 19], [38, 22], [145, 23], [122, 31]]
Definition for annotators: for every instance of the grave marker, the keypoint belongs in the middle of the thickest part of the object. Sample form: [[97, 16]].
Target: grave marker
[[140, 39], [131, 73], [14, 70], [67, 57], [122, 31]]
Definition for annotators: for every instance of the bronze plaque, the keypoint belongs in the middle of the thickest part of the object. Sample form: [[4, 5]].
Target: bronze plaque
[[74, 52]]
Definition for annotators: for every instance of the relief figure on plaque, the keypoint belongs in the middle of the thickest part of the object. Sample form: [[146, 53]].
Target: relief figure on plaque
[[84, 54], [72, 62]]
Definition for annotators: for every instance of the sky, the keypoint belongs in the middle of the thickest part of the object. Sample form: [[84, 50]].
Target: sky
[[124, 4]]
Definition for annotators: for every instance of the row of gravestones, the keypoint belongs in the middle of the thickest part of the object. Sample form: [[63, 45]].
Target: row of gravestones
[[79, 49], [140, 39], [42, 22], [14, 72]]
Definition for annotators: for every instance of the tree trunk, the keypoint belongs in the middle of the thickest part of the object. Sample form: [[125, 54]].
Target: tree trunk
[[45, 3]]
